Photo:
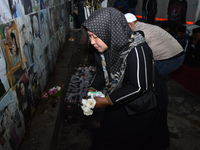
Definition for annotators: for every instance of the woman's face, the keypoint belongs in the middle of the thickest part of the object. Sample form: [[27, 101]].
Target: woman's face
[[42, 21], [35, 24], [24, 34], [14, 47], [97, 42]]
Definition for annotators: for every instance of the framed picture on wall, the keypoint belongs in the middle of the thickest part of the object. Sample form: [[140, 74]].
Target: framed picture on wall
[[28, 8], [17, 8], [44, 28], [12, 50]]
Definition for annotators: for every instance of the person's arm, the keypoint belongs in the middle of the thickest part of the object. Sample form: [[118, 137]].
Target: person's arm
[[138, 73]]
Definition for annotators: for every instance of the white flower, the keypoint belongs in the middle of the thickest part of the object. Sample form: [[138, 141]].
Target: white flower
[[87, 111], [90, 103], [53, 88], [84, 102], [58, 88], [87, 106]]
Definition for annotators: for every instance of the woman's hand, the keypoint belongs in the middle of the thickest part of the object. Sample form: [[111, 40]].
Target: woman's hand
[[101, 102]]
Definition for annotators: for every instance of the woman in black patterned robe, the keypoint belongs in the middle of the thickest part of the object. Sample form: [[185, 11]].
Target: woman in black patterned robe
[[124, 72]]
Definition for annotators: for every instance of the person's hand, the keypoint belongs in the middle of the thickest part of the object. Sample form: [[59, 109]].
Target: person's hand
[[101, 102]]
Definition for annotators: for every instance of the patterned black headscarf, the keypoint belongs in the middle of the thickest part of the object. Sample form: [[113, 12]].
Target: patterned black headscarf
[[110, 25]]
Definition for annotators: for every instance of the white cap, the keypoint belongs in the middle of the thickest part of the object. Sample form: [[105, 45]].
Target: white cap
[[130, 17]]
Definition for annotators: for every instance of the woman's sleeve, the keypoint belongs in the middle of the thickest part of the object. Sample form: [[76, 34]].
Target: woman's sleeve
[[138, 72]]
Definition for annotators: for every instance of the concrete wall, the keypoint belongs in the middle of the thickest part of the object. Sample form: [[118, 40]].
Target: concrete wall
[[32, 32], [162, 9]]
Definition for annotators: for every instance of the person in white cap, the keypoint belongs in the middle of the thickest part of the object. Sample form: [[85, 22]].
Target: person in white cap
[[167, 52]]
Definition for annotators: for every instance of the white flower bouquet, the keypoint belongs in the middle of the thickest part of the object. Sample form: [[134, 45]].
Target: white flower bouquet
[[89, 104]]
